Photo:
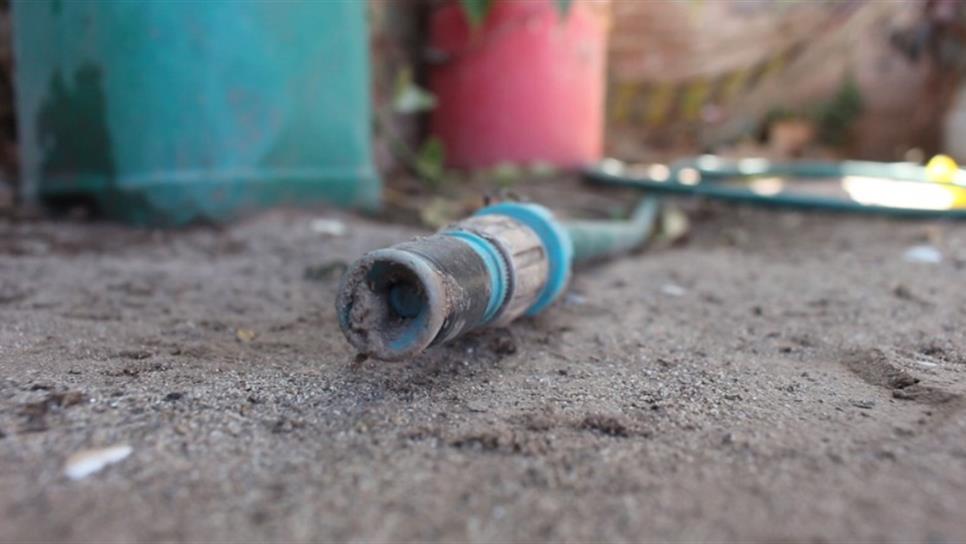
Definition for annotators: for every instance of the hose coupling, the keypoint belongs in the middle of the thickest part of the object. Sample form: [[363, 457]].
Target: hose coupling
[[507, 260]]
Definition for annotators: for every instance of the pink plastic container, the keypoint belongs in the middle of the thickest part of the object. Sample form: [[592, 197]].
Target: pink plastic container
[[526, 86]]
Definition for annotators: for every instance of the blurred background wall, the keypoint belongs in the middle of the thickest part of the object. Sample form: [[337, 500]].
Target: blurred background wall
[[876, 79], [867, 79]]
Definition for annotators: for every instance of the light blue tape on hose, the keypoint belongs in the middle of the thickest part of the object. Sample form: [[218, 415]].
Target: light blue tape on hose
[[556, 241], [495, 266]]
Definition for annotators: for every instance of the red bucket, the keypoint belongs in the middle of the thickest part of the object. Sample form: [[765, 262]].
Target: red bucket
[[527, 86]]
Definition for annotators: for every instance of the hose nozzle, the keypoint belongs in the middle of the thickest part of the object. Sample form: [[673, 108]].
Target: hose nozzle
[[505, 261]]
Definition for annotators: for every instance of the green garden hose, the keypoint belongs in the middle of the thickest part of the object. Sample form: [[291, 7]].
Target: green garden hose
[[594, 240], [937, 190]]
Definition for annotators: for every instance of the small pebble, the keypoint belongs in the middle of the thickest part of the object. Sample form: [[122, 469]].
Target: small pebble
[[328, 227], [923, 254], [673, 290], [573, 299], [86, 462]]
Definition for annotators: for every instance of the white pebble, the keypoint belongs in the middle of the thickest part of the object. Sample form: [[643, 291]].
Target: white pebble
[[328, 227], [923, 254], [86, 462], [673, 290]]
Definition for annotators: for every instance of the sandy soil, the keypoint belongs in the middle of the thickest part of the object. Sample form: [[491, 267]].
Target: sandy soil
[[778, 377]]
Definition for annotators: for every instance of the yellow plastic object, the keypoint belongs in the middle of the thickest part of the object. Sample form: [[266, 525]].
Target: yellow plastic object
[[943, 169]]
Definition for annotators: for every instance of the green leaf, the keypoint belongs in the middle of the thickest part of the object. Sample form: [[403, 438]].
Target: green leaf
[[563, 6], [506, 173], [837, 116], [476, 10], [431, 160], [409, 97]]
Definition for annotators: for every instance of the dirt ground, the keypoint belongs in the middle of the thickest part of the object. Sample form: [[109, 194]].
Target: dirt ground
[[778, 377]]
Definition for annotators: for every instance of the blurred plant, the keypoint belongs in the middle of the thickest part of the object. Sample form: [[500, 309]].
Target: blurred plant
[[835, 117], [409, 98], [832, 118], [779, 114], [506, 174], [430, 162], [939, 34], [477, 10], [427, 161]]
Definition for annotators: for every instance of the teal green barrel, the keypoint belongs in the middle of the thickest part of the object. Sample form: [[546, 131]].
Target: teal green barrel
[[166, 112]]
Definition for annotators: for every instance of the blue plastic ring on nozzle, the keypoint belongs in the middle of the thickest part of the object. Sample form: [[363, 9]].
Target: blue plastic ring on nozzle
[[560, 248], [496, 266]]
